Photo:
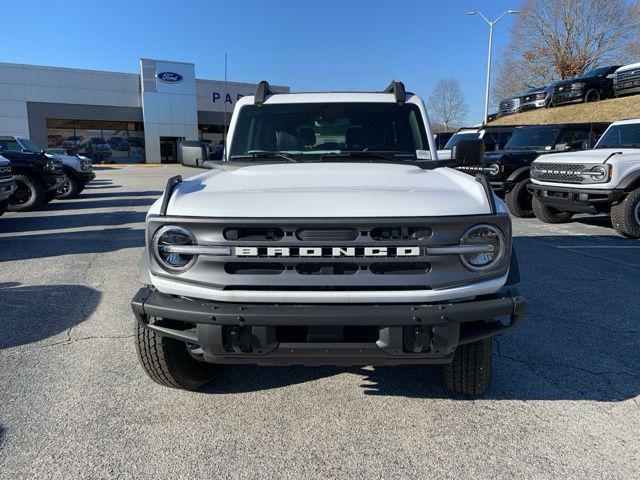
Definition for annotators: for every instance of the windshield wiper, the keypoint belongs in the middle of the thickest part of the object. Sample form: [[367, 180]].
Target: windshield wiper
[[253, 155], [393, 158]]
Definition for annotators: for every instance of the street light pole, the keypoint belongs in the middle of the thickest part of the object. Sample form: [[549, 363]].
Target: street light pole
[[491, 23]]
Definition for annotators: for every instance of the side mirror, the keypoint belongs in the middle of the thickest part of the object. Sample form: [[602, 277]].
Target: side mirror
[[467, 152], [192, 153]]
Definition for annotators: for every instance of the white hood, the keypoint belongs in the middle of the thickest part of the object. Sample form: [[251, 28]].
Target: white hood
[[326, 190], [590, 156]]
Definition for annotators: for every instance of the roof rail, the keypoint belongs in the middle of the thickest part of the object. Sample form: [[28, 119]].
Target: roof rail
[[262, 91], [397, 88]]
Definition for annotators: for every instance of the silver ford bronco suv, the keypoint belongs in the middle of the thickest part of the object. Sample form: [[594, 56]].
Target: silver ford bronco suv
[[330, 234]]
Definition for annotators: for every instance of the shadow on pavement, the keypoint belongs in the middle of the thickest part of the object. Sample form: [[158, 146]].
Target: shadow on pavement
[[34, 224], [34, 313], [70, 243], [146, 193], [579, 340]]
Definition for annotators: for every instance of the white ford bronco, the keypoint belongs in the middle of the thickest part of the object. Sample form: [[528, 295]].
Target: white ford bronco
[[605, 179], [337, 238]]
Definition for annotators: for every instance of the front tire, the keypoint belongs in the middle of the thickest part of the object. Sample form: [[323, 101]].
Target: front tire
[[625, 216], [70, 187], [592, 95], [168, 362], [470, 371], [519, 200], [28, 195], [549, 214]]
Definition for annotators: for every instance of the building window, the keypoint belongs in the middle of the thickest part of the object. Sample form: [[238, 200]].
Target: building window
[[97, 139]]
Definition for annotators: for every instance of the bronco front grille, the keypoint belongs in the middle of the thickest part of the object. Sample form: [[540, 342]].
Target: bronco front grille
[[561, 172], [329, 254]]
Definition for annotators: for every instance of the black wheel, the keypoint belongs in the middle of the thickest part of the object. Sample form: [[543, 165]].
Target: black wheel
[[470, 371], [28, 195], [625, 216], [592, 95], [3, 207], [168, 361], [70, 187], [549, 214], [519, 200]]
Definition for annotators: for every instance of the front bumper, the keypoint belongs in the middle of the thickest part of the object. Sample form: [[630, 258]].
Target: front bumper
[[578, 200], [533, 105], [402, 333], [86, 176], [7, 187], [570, 96]]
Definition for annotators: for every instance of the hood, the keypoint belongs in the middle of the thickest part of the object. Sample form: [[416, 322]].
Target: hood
[[327, 190], [569, 81], [591, 156]]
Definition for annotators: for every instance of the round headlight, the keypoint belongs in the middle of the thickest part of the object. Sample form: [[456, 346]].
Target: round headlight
[[487, 236], [599, 173], [169, 258], [494, 169]]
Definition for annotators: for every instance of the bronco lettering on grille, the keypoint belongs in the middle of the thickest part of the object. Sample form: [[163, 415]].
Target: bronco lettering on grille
[[327, 251]]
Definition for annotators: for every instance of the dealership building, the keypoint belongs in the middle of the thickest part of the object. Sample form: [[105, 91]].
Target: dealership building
[[142, 117]]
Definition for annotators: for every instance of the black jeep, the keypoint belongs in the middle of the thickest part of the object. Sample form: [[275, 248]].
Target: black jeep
[[37, 177], [508, 169]]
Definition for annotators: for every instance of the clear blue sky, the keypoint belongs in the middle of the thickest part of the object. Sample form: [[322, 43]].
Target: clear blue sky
[[310, 46]]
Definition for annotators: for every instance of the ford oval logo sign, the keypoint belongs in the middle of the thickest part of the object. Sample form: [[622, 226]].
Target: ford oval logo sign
[[169, 77]]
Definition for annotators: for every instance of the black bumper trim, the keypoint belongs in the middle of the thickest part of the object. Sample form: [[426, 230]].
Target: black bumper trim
[[577, 200], [205, 320]]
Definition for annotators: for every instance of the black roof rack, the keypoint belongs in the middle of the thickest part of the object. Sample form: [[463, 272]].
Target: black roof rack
[[397, 88], [262, 91]]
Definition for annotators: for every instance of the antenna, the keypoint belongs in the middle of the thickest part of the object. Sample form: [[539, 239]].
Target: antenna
[[224, 135]]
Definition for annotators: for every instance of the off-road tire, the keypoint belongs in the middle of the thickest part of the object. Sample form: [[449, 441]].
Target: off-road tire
[[519, 200], [625, 216], [70, 190], [470, 371], [549, 214], [168, 362], [34, 187]]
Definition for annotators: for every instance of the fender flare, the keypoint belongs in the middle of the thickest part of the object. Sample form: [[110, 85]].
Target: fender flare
[[630, 181], [518, 174]]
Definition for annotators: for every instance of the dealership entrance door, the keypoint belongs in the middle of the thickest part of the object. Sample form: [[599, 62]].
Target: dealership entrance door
[[169, 149]]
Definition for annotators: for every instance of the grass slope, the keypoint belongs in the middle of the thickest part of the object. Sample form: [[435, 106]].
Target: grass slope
[[602, 111]]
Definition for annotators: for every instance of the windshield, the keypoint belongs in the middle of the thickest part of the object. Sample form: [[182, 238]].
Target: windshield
[[315, 129], [533, 138], [461, 136], [28, 145], [621, 136], [595, 72]]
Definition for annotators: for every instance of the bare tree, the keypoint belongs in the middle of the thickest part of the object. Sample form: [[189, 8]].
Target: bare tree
[[558, 39], [633, 49], [447, 103]]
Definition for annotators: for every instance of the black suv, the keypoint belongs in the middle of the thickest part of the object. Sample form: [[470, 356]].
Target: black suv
[[37, 177], [591, 86], [7, 184], [508, 169]]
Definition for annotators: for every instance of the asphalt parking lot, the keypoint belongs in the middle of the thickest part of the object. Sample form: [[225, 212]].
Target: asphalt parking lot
[[75, 404]]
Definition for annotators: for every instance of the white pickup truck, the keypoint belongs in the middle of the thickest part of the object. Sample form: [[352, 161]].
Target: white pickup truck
[[340, 239], [605, 179]]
